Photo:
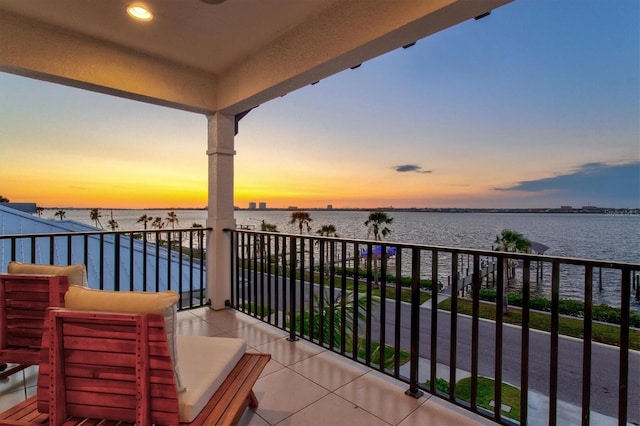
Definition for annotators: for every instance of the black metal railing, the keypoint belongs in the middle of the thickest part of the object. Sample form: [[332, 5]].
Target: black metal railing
[[415, 313], [149, 260]]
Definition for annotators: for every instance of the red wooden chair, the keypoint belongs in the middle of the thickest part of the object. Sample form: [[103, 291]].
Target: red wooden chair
[[117, 367], [23, 303]]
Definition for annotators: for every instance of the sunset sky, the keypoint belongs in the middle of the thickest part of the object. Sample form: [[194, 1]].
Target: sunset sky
[[537, 105]]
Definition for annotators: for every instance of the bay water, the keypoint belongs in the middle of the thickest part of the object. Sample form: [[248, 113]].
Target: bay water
[[586, 236]]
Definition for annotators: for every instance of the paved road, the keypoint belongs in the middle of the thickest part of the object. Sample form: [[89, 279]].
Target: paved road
[[604, 370], [605, 359]]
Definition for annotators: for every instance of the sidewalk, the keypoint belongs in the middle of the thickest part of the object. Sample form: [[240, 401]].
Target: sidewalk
[[538, 406]]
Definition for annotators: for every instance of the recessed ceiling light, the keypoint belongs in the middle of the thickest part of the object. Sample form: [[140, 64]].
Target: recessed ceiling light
[[139, 12]]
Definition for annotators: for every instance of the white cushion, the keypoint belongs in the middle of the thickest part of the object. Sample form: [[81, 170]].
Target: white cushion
[[76, 274], [204, 362], [132, 302]]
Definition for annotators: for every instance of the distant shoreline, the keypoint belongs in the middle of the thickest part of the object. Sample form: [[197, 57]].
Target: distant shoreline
[[565, 210]]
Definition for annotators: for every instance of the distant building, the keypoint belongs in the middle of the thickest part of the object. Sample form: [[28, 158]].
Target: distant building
[[329, 206], [252, 205], [566, 207], [262, 206], [292, 208]]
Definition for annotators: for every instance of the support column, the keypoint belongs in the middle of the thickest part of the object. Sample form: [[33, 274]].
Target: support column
[[220, 207]]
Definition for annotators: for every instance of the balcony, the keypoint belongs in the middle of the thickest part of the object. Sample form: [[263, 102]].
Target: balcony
[[303, 384], [324, 329]]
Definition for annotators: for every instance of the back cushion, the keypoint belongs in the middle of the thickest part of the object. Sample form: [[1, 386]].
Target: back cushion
[[76, 274], [131, 302]]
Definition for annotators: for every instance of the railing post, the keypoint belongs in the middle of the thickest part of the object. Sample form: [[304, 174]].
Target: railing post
[[233, 247], [501, 290], [292, 290], [623, 380], [524, 350], [586, 346], [435, 288], [555, 323], [475, 324], [453, 330], [415, 325]]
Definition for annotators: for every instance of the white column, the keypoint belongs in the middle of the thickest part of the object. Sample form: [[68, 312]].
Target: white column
[[220, 215]]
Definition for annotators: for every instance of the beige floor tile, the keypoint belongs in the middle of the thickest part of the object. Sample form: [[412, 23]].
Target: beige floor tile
[[329, 370], [381, 397], [434, 413], [283, 393], [199, 328], [251, 418], [258, 334], [332, 410], [226, 319], [18, 381], [12, 390], [271, 368], [287, 353], [186, 317]]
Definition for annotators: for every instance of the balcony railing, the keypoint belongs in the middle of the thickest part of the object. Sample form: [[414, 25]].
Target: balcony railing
[[415, 313], [149, 260]]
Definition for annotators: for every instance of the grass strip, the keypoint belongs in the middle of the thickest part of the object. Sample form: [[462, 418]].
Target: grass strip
[[390, 291], [486, 391], [574, 327]]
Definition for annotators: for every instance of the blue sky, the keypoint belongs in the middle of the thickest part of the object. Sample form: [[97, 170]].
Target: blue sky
[[536, 105]]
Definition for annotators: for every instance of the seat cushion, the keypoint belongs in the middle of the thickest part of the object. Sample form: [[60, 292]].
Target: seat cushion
[[204, 362], [132, 302], [76, 274]]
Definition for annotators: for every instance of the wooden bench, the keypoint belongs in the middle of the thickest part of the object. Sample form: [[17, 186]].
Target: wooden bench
[[117, 367], [23, 303]]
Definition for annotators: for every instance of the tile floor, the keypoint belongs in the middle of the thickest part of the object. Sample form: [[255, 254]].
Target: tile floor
[[302, 385]]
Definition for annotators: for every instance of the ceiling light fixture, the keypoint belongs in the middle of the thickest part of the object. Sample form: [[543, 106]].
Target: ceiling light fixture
[[139, 12]]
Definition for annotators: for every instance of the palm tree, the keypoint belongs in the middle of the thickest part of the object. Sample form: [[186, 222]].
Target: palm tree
[[144, 219], [157, 223], [3, 199], [327, 231], [509, 241], [197, 226], [113, 224], [95, 215], [172, 219], [303, 219], [376, 224], [60, 213]]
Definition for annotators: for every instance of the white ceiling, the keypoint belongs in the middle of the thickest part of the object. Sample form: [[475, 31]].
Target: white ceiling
[[209, 37], [202, 57]]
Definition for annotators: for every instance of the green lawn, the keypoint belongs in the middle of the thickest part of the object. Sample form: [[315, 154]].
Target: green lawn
[[484, 395], [390, 291], [485, 392], [602, 333]]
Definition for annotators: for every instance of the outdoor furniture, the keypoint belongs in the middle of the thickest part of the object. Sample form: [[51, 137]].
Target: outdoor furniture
[[117, 366], [23, 303]]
